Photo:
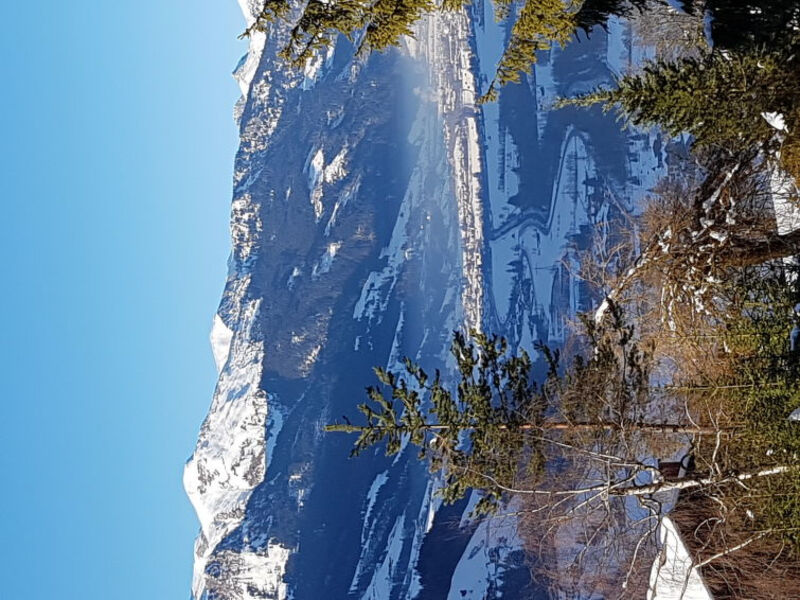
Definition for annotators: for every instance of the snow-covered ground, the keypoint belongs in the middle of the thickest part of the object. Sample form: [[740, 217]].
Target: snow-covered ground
[[246, 69], [784, 194], [229, 460], [221, 337], [673, 575], [480, 572]]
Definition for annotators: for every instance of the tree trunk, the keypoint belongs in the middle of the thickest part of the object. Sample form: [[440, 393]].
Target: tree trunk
[[686, 483], [589, 426], [746, 252]]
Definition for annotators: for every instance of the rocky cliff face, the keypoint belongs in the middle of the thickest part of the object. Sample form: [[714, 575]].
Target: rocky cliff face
[[375, 209]]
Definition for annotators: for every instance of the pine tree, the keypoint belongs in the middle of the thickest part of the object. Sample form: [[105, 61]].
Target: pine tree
[[380, 24], [597, 12], [540, 24], [474, 437], [719, 98], [500, 428]]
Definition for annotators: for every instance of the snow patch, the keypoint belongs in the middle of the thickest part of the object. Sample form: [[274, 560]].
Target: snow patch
[[673, 576], [246, 69], [383, 580], [372, 495], [314, 166], [775, 120], [335, 169], [783, 190], [375, 292], [319, 174], [482, 564], [249, 575], [351, 189], [275, 420], [296, 271], [368, 527], [221, 336], [314, 67], [326, 260], [310, 359]]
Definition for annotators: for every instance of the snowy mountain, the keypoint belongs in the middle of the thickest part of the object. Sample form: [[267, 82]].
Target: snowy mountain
[[376, 207]]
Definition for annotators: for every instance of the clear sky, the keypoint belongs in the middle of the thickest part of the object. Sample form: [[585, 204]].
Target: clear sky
[[117, 151]]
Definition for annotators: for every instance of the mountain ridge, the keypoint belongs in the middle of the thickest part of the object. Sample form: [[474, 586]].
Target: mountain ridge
[[364, 224]]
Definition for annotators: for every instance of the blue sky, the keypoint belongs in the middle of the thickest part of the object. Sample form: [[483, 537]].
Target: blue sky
[[117, 148]]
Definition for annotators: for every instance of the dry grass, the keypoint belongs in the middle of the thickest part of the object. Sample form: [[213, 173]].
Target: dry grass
[[764, 569]]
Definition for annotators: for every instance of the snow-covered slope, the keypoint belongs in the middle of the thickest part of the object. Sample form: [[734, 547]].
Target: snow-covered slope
[[376, 207]]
